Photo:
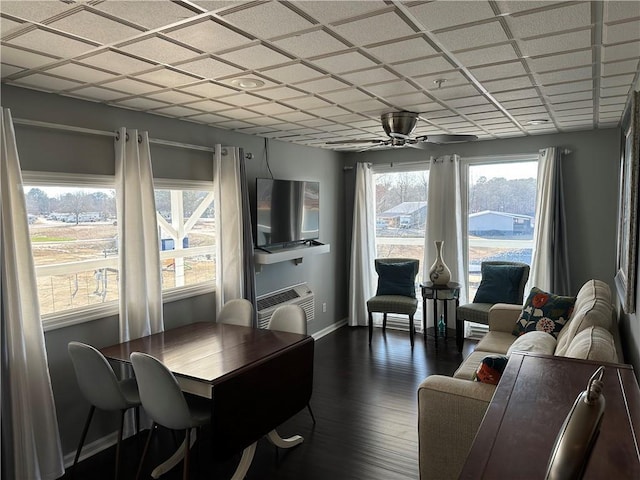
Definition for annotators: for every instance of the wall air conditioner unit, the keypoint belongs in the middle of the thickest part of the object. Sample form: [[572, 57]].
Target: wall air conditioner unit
[[296, 295]]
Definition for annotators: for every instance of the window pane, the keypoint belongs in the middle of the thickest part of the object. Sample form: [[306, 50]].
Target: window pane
[[501, 215], [186, 221], [74, 244]]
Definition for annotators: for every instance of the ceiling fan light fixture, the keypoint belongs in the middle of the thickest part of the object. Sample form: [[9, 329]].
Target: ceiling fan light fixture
[[247, 83]]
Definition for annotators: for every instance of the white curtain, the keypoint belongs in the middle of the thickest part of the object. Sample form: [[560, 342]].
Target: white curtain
[[550, 260], [140, 274], [30, 440], [444, 220], [363, 246], [235, 268]]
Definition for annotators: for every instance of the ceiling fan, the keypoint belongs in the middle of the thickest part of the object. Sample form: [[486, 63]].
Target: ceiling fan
[[398, 127]]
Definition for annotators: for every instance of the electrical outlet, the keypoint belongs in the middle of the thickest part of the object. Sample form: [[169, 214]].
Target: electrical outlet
[[324, 307]]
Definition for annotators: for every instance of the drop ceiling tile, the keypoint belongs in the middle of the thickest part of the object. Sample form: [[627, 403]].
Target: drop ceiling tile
[[621, 32], [556, 62], [573, 105], [571, 97], [51, 43], [617, 80], [317, 122], [141, 103], [438, 15], [374, 29], [568, 87], [620, 100], [95, 27], [503, 70], [556, 43], [585, 112], [116, 62], [158, 50], [97, 93], [348, 95], [166, 78], [611, 108], [529, 102], [321, 85], [130, 86], [8, 26], [571, 75], [279, 93], [614, 91], [263, 120], [486, 115], [616, 68], [329, 112], [344, 62], [369, 76], [239, 113], [409, 101], [232, 124], [255, 57], [176, 111], [173, 97], [268, 20], [468, 101], [243, 99], [209, 36], [7, 70], [146, 14], [257, 130], [311, 44], [370, 106], [630, 50], [35, 10], [402, 50], [516, 94], [528, 111], [477, 35], [484, 109], [397, 87], [22, 58], [80, 73], [614, 11], [272, 109], [208, 89], [250, 76], [208, 106], [307, 103], [208, 118], [550, 21], [46, 82], [423, 67], [350, 118], [483, 56], [454, 92], [331, 11], [292, 73], [295, 116], [432, 82], [610, 115], [209, 68]]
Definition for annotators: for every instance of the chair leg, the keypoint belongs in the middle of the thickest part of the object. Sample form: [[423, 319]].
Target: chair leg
[[384, 321], [120, 428], [411, 329], [136, 414], [84, 434], [146, 447], [187, 442], [370, 327], [313, 418]]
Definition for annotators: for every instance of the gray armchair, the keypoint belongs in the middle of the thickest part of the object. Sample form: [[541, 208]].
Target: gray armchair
[[498, 285]]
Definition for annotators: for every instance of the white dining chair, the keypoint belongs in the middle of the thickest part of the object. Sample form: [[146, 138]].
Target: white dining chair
[[102, 389], [165, 403], [293, 319], [238, 311]]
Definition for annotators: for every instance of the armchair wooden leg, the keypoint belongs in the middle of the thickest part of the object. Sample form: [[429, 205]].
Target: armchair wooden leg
[[370, 327], [384, 321], [411, 330]]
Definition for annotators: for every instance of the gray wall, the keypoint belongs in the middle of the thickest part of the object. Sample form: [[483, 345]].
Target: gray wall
[[57, 151]]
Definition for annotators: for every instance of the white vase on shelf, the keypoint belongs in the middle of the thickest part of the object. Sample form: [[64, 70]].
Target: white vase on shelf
[[439, 274]]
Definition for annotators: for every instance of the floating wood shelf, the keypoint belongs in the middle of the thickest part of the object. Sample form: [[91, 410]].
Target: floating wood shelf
[[296, 254]]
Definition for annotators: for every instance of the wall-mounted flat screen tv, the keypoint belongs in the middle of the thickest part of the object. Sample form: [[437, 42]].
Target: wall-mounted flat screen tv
[[287, 211]]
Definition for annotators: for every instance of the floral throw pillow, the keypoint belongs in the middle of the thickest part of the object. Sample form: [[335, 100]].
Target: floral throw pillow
[[544, 312]]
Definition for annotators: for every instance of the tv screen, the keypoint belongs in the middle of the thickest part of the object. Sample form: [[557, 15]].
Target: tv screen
[[287, 211]]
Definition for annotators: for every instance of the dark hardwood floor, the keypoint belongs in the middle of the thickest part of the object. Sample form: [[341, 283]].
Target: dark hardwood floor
[[365, 404]]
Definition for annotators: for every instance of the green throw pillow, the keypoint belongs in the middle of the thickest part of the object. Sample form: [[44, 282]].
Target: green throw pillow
[[396, 279], [499, 284], [544, 312]]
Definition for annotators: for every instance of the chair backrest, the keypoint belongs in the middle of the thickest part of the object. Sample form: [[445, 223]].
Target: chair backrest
[[160, 393], [397, 280], [98, 383], [236, 312], [289, 318], [416, 263], [523, 280]]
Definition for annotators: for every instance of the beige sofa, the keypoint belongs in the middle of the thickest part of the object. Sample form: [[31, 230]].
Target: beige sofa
[[450, 409]]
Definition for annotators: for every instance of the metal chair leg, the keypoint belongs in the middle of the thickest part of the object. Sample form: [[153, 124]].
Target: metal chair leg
[[84, 434], [146, 447], [120, 428], [187, 440]]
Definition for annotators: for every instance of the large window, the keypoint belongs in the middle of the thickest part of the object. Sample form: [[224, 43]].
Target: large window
[[74, 237], [501, 213]]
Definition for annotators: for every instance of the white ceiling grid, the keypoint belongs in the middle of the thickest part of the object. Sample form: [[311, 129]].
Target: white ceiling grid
[[330, 68]]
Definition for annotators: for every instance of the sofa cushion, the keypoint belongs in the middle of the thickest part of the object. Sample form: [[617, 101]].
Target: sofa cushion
[[536, 342], [467, 371], [593, 308], [396, 279], [544, 312], [491, 368], [593, 343], [499, 284], [496, 342]]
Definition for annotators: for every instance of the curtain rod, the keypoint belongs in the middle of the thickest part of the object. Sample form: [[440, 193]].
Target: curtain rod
[[105, 133]]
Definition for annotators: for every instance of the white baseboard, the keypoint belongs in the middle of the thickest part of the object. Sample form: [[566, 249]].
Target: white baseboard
[[331, 328], [91, 449]]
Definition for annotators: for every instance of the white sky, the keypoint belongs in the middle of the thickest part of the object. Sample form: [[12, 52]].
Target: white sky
[[510, 171]]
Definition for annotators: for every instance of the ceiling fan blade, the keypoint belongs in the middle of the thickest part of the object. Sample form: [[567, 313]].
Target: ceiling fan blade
[[352, 142], [421, 145], [445, 138]]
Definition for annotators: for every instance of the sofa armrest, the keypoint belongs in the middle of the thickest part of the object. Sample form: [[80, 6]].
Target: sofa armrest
[[450, 411], [503, 317]]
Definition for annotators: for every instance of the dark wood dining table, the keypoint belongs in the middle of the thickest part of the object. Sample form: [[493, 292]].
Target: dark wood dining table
[[256, 378]]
